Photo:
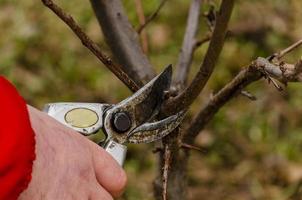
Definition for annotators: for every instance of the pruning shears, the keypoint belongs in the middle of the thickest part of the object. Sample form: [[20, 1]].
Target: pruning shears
[[133, 120]]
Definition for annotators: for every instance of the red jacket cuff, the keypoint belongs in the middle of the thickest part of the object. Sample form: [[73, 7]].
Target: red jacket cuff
[[17, 143]]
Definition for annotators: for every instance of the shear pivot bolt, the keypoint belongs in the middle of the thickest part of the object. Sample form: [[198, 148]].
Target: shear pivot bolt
[[121, 122]]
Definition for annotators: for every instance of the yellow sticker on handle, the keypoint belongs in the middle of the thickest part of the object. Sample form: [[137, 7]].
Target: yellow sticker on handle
[[81, 117]]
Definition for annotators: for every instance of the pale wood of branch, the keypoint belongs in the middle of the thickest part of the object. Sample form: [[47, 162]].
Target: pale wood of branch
[[167, 161], [248, 95], [284, 72], [288, 49]]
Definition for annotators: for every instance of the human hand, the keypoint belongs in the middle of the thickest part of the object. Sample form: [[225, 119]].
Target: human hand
[[68, 166]]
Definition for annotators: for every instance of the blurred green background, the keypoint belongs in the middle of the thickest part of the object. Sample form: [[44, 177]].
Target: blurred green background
[[253, 147]]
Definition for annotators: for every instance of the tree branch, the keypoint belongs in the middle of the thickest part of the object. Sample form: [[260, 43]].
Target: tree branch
[[192, 147], [292, 47], [93, 47], [248, 95], [192, 91], [151, 17], [188, 45], [122, 39], [244, 78], [260, 67], [167, 162], [200, 42], [283, 72]]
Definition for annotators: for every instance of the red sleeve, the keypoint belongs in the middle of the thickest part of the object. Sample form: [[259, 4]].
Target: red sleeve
[[17, 143]]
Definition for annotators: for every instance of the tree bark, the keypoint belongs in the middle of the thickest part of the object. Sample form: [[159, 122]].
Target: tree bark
[[177, 173], [123, 39]]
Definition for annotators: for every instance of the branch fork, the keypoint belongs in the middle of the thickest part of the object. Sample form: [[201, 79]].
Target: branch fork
[[281, 71]]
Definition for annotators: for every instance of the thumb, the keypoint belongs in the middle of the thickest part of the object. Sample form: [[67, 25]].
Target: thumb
[[108, 172]]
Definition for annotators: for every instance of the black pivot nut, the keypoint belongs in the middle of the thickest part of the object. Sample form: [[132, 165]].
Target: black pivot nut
[[121, 122]]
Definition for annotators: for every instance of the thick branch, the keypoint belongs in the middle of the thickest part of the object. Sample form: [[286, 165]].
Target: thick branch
[[189, 43], [122, 39], [87, 42], [207, 67]]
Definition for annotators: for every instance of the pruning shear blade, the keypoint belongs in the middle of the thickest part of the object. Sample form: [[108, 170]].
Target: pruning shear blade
[[150, 132]]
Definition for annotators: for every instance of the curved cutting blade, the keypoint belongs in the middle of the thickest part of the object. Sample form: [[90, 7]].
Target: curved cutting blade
[[152, 96], [141, 106], [150, 132]]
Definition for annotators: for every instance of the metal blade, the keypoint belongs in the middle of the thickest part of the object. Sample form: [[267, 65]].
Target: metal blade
[[150, 96], [139, 107], [150, 132]]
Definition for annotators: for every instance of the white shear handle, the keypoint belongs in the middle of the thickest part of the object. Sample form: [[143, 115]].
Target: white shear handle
[[86, 118], [117, 151]]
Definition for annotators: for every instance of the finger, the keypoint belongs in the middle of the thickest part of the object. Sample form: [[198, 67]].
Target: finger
[[108, 172], [100, 193]]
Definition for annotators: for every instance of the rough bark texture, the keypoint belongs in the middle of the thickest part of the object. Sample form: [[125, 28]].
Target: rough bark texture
[[177, 173], [123, 39]]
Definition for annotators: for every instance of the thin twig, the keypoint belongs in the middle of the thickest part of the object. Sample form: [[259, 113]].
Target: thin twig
[[200, 42], [201, 78], [167, 161], [189, 146], [275, 84], [188, 45], [292, 47], [151, 17], [92, 46], [142, 20], [248, 95]]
